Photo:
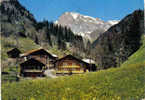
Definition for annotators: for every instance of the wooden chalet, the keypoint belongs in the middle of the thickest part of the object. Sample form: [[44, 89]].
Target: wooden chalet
[[32, 68], [41, 55], [14, 53], [91, 66], [70, 65]]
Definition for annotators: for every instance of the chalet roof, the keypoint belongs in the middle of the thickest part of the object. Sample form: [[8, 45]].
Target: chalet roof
[[14, 53], [54, 55], [72, 57], [31, 51], [14, 50], [90, 61], [32, 61], [33, 70], [38, 50]]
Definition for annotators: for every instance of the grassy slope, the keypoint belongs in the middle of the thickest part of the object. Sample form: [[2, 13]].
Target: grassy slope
[[10, 43], [139, 56], [9, 65], [125, 83]]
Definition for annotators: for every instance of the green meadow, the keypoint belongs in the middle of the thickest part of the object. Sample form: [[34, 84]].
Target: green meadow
[[125, 83]]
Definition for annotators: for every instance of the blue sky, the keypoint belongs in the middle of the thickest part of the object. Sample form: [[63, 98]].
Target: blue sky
[[104, 9]]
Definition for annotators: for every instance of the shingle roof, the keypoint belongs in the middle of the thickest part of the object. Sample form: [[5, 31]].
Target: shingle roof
[[32, 60], [71, 56], [35, 50]]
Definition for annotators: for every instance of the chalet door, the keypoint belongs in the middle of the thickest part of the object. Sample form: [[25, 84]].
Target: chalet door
[[70, 71], [33, 75]]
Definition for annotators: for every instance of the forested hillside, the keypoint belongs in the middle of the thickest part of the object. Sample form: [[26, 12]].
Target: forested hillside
[[118, 43], [139, 56]]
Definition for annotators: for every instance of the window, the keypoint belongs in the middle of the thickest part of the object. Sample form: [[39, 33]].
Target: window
[[38, 67], [64, 64], [70, 63]]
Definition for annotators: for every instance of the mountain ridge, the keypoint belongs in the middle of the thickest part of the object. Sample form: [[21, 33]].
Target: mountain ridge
[[84, 25]]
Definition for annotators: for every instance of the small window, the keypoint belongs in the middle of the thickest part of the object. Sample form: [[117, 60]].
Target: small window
[[70, 63], [38, 67], [64, 64]]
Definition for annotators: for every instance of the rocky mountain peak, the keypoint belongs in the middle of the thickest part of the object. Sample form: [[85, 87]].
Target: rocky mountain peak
[[83, 25]]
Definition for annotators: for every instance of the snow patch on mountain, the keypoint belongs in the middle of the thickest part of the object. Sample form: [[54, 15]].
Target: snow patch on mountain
[[74, 15], [56, 22], [113, 22], [88, 17]]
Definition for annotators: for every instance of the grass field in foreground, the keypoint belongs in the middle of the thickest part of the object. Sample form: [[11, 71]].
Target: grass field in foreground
[[125, 83]]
